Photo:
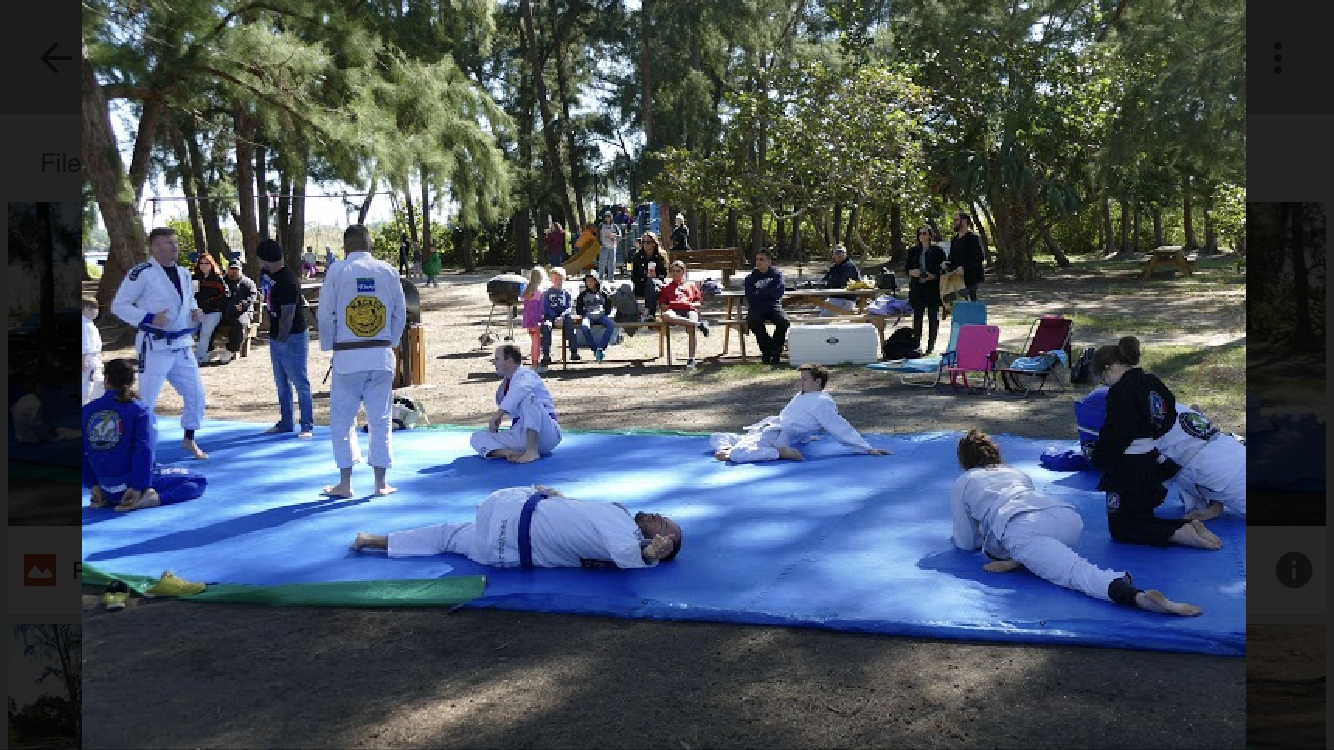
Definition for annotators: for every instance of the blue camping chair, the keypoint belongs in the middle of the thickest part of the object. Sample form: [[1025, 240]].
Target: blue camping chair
[[965, 313]]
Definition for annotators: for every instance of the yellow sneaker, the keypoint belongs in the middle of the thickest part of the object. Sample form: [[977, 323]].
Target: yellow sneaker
[[171, 585], [115, 595]]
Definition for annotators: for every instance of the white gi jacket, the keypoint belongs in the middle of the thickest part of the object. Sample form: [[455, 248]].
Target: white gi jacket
[[147, 291], [565, 532], [1190, 432], [511, 393], [361, 300], [983, 501], [808, 414]]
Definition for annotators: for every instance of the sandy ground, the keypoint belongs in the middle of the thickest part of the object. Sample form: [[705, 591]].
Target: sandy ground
[[225, 676], [1285, 686]]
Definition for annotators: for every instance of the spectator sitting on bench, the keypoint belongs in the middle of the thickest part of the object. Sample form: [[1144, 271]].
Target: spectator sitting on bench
[[837, 277], [764, 304], [557, 307], [647, 271], [236, 316], [681, 300], [594, 306]]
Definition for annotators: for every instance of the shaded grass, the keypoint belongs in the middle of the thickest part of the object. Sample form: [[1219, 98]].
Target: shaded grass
[[1214, 377]]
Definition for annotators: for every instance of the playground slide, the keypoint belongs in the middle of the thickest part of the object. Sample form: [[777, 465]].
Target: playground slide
[[585, 257]]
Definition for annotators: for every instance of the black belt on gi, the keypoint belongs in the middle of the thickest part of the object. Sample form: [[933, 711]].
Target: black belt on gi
[[343, 346]]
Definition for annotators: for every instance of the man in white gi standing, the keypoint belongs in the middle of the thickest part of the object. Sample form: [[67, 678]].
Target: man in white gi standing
[[523, 397], [810, 412], [157, 298], [362, 315], [538, 527]]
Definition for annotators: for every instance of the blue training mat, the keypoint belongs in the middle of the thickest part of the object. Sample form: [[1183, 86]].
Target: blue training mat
[[858, 543], [60, 408]]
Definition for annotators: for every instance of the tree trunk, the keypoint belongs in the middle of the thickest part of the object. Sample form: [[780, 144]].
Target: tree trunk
[[1158, 236], [1053, 247], [549, 134], [412, 212], [114, 194], [186, 171], [703, 235], [896, 248], [1187, 217], [143, 144], [1304, 333], [282, 218], [837, 225], [1138, 211], [646, 77], [563, 91], [1125, 226], [426, 216], [733, 231], [756, 232], [988, 249], [366, 203], [1210, 232], [467, 250], [46, 282], [208, 210], [296, 220], [262, 190], [1013, 255], [525, 146], [245, 187], [794, 251], [1105, 228], [781, 243]]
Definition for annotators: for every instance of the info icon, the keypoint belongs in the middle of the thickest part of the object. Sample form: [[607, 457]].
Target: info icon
[[1294, 570], [39, 570]]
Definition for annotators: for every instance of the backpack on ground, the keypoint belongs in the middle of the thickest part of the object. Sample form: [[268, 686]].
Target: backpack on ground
[[1081, 372], [901, 344]]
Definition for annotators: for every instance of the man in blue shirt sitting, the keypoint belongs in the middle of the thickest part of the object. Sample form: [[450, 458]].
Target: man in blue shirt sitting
[[764, 302]]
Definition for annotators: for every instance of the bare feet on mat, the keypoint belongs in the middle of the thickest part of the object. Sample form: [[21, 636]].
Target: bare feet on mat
[[1206, 514], [1214, 541], [193, 449], [790, 454], [1154, 601], [338, 490], [1189, 535], [385, 490], [1002, 566], [505, 453], [723, 454], [526, 457]]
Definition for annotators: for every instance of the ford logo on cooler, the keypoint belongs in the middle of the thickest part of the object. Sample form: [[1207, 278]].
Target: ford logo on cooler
[[831, 340]]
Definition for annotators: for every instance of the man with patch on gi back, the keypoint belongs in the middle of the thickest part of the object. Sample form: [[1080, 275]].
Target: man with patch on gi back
[[157, 299], [363, 313]]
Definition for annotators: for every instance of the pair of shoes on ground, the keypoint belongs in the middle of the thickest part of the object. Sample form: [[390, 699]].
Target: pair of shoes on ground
[[304, 434], [172, 585]]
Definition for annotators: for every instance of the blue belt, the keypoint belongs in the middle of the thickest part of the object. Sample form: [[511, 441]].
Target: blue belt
[[526, 529]]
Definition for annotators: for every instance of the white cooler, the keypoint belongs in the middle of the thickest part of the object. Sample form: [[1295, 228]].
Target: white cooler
[[845, 343]]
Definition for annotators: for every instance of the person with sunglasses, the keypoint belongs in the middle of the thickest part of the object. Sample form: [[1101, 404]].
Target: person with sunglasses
[[647, 271], [923, 267]]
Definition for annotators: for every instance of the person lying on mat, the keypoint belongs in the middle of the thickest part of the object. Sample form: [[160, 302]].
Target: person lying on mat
[[539, 527], [523, 397], [809, 412], [118, 450], [1211, 465], [1140, 411], [996, 509]]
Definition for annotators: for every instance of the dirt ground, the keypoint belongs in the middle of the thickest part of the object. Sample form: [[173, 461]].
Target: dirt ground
[[1285, 686], [172, 674]]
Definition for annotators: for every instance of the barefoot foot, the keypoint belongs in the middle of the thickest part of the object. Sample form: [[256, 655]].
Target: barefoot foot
[[505, 453], [193, 449], [385, 490], [526, 457], [1154, 601], [790, 454], [723, 455], [1206, 514], [338, 490], [1208, 536], [1002, 566]]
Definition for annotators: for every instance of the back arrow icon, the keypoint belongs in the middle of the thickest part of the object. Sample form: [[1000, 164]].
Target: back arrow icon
[[47, 57]]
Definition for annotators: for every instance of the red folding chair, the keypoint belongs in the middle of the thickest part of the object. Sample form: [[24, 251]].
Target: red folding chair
[[1050, 333], [975, 352]]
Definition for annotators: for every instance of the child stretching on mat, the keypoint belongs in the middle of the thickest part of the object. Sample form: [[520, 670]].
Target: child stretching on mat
[[118, 450], [1140, 411], [996, 509], [809, 412], [538, 527]]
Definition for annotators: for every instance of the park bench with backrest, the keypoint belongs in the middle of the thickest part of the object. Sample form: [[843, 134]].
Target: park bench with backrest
[[727, 260]]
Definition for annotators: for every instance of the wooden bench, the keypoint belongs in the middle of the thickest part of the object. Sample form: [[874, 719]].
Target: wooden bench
[[728, 260], [664, 343]]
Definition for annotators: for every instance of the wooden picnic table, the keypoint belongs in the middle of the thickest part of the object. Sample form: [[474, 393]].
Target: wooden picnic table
[[1168, 257], [815, 297]]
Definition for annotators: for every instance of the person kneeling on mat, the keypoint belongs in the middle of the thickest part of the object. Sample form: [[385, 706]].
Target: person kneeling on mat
[[1207, 465], [809, 412], [539, 527], [996, 509], [524, 398], [118, 454]]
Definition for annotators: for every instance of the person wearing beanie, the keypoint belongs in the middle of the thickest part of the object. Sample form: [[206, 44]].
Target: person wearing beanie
[[289, 343]]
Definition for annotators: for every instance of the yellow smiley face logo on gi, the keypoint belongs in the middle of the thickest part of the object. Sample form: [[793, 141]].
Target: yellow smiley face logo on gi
[[365, 316]]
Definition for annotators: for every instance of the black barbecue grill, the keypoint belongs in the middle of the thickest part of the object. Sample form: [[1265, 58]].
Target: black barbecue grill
[[504, 291]]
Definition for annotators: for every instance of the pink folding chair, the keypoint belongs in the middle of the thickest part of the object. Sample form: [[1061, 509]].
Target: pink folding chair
[[975, 349]]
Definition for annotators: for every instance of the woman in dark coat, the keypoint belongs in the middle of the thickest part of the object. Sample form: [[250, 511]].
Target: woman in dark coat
[[923, 268]]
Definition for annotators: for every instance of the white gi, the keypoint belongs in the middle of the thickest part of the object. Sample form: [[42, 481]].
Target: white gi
[[564, 532], [92, 382], [1213, 464], [804, 416], [526, 399], [362, 314], [164, 353], [997, 510]]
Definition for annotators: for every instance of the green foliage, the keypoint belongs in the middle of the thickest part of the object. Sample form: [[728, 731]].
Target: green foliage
[[185, 237]]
